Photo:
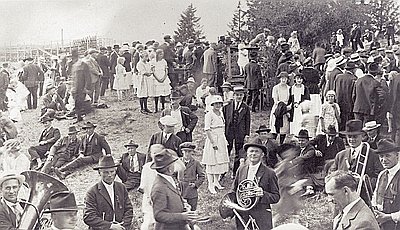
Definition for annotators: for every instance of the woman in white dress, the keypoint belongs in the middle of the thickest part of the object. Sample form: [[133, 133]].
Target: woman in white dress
[[162, 87], [12, 159], [14, 101], [144, 73], [298, 93], [121, 81], [215, 153], [243, 57]]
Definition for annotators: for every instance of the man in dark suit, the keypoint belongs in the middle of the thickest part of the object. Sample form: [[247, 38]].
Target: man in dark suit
[[270, 157], [113, 63], [10, 209], [329, 143], [4, 81], [169, 209], [267, 185], [340, 64], [253, 81], [90, 151], [346, 160], [51, 102], [104, 64], [373, 135], [344, 87], [187, 120], [47, 138], [367, 95], [131, 165], [107, 204], [167, 137], [341, 188], [32, 75], [394, 106], [355, 37], [95, 74], [237, 123], [63, 151], [169, 56], [386, 198]]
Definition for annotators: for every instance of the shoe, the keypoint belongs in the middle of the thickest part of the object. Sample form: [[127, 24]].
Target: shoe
[[212, 190], [219, 186], [308, 192], [60, 175], [148, 111], [143, 111]]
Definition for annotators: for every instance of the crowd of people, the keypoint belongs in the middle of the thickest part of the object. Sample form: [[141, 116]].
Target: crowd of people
[[333, 110]]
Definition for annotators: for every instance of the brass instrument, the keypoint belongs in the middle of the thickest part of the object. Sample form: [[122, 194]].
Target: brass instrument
[[41, 186], [364, 188], [246, 200]]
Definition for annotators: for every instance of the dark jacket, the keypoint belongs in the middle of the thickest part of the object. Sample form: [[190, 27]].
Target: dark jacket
[[344, 87], [128, 60], [367, 95], [95, 146], [280, 111], [242, 128], [329, 152], [50, 135], [8, 219], [189, 119], [305, 96], [113, 61], [394, 102], [173, 142], [80, 77], [332, 77], [125, 167], [307, 159], [253, 77], [4, 80], [99, 213], [62, 144], [32, 75], [194, 173], [104, 64], [311, 80]]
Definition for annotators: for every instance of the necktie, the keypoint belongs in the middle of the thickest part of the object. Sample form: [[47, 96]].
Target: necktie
[[339, 219], [353, 157], [17, 213], [132, 164], [382, 184]]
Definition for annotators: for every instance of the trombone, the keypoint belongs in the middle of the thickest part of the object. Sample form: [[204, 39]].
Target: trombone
[[364, 188]]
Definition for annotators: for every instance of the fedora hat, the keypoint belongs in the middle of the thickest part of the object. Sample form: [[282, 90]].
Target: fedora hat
[[62, 202], [255, 142], [303, 133], [331, 131], [226, 84], [106, 162], [131, 143], [168, 120], [350, 65], [373, 67], [175, 95], [45, 119], [88, 125], [370, 125], [6, 177], [187, 146], [216, 99], [353, 127], [72, 129], [263, 128], [386, 146], [116, 46], [163, 159]]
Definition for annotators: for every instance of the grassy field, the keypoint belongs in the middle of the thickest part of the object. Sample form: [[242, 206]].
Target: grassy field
[[122, 122]]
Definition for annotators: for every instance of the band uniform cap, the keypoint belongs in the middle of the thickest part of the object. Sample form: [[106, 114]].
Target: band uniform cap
[[131, 143], [191, 79], [216, 99], [263, 128], [92, 51], [62, 202], [370, 125], [168, 120], [187, 146], [226, 84], [45, 119], [331, 131], [88, 124], [72, 129], [255, 142], [9, 176], [386, 146], [106, 162], [353, 127], [238, 89], [163, 159], [303, 133]]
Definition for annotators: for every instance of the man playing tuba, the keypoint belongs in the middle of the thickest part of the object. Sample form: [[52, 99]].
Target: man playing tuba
[[265, 190]]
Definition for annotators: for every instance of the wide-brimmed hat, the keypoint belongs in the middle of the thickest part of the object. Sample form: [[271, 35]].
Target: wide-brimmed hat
[[216, 99], [9, 176], [255, 142], [44, 119], [263, 128], [116, 46], [226, 84], [303, 133], [386, 146], [131, 143], [353, 127], [62, 202], [350, 65], [354, 57], [12, 144], [370, 125], [163, 159], [88, 125], [340, 60], [175, 95], [187, 146], [331, 131], [106, 162], [168, 120], [72, 129], [238, 89], [283, 74]]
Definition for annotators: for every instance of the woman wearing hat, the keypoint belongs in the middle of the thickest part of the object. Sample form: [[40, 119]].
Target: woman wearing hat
[[12, 160], [215, 153], [227, 90]]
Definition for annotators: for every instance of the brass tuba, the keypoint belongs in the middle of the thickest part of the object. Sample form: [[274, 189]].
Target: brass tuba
[[41, 186]]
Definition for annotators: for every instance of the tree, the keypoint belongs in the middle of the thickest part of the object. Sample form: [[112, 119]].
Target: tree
[[188, 26], [382, 12], [239, 21]]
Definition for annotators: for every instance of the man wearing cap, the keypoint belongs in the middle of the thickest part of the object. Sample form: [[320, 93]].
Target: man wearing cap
[[113, 63], [63, 210], [10, 209], [63, 151], [31, 76], [385, 198], [373, 134], [90, 151], [169, 209], [104, 64], [210, 65], [167, 137], [237, 123], [267, 138], [344, 87], [368, 95], [107, 204], [51, 103], [47, 138], [169, 56], [131, 165], [95, 74], [346, 160], [339, 69], [267, 188]]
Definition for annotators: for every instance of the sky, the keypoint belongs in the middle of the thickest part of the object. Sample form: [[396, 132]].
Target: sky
[[38, 21]]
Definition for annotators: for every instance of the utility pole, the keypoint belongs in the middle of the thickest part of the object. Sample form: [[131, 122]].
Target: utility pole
[[239, 9]]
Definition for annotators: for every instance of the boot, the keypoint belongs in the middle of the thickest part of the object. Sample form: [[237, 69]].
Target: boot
[[211, 185], [162, 100]]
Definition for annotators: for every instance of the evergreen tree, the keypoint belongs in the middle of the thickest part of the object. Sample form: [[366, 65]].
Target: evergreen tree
[[234, 26], [188, 25]]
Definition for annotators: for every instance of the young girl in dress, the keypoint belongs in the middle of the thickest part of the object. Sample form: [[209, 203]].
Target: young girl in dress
[[330, 112], [162, 85], [144, 72], [121, 81]]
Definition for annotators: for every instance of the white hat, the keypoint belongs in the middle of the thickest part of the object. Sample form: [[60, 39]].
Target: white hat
[[331, 65], [216, 99], [191, 79], [370, 125], [168, 120], [8, 176], [178, 44], [340, 60]]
